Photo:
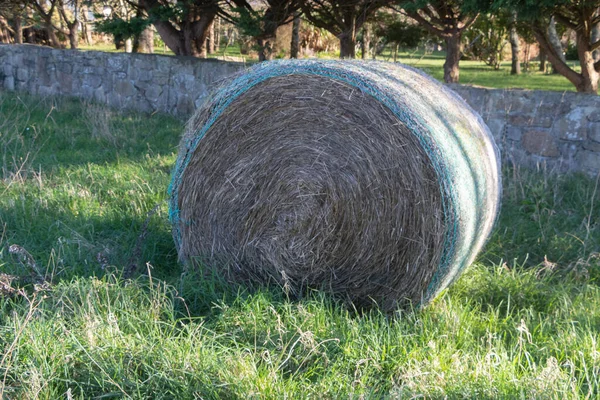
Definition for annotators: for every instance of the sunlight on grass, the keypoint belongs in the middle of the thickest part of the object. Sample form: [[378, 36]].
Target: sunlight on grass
[[522, 322]]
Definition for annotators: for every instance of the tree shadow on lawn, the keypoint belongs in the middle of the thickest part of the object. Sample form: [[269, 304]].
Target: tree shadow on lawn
[[65, 245]]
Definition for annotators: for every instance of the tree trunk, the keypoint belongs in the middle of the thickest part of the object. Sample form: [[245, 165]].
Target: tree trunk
[[29, 32], [4, 33], [217, 34], [589, 75], [128, 45], [514, 47], [347, 45], [451, 69], [542, 57], [366, 41], [171, 37], [266, 50], [210, 42], [555, 42], [18, 29], [54, 42], [74, 35], [295, 45], [595, 38], [145, 41], [85, 26]]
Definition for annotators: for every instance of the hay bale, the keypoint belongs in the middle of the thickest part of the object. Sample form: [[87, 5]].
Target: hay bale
[[369, 180]]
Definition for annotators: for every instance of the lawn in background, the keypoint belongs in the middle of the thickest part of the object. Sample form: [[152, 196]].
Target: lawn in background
[[78, 186], [471, 72]]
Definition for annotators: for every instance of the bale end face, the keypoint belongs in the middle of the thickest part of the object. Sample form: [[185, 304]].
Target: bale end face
[[305, 174]]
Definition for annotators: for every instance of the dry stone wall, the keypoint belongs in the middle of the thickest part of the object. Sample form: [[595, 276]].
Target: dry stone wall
[[554, 129]]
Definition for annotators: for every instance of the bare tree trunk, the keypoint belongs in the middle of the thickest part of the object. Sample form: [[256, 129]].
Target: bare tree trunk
[[514, 47], [5, 36], [348, 45], [210, 42], [451, 68], [29, 32], [595, 38], [54, 42], [218, 34], [85, 26], [542, 57], [146, 41], [555, 42], [295, 45], [18, 29], [266, 51], [74, 35], [366, 41], [589, 75]]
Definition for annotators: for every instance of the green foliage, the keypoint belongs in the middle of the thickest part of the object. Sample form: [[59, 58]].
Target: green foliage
[[249, 21], [121, 28], [487, 38], [77, 181], [401, 33]]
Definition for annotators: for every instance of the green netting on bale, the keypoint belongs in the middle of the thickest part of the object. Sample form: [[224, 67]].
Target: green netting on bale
[[458, 145]]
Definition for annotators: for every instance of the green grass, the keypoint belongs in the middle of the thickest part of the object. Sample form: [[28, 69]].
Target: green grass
[[471, 72], [77, 182]]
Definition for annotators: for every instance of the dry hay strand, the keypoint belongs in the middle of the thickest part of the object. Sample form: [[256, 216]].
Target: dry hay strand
[[371, 182]]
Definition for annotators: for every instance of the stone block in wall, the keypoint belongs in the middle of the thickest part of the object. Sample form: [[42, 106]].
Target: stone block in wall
[[594, 116], [9, 83], [153, 92], [65, 81], [184, 105], [572, 126], [540, 142], [497, 124], [145, 75], [93, 81], [589, 160], [160, 77], [99, 95], [124, 88], [514, 133], [592, 146], [22, 74], [594, 131], [117, 63]]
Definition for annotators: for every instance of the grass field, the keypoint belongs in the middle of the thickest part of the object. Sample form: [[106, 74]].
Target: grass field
[[78, 183], [471, 72]]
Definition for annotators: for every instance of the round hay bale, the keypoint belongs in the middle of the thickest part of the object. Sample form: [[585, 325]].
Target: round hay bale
[[369, 180]]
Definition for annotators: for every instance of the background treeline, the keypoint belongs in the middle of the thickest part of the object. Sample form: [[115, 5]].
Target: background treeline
[[486, 30]]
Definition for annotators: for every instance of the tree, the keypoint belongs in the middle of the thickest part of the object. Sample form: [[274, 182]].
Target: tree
[[343, 18], [69, 11], [398, 32], [515, 68], [447, 19], [45, 10], [261, 21], [295, 45], [183, 25], [488, 38], [580, 16], [13, 15]]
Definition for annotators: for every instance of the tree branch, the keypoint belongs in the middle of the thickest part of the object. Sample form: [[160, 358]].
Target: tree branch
[[426, 24], [560, 65]]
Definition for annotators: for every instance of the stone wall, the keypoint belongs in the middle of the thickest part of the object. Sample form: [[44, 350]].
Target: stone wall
[[145, 82], [559, 130]]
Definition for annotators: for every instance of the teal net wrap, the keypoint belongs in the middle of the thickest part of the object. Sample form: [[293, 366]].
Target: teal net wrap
[[457, 143]]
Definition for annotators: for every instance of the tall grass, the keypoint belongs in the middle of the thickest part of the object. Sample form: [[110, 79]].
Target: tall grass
[[522, 322]]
